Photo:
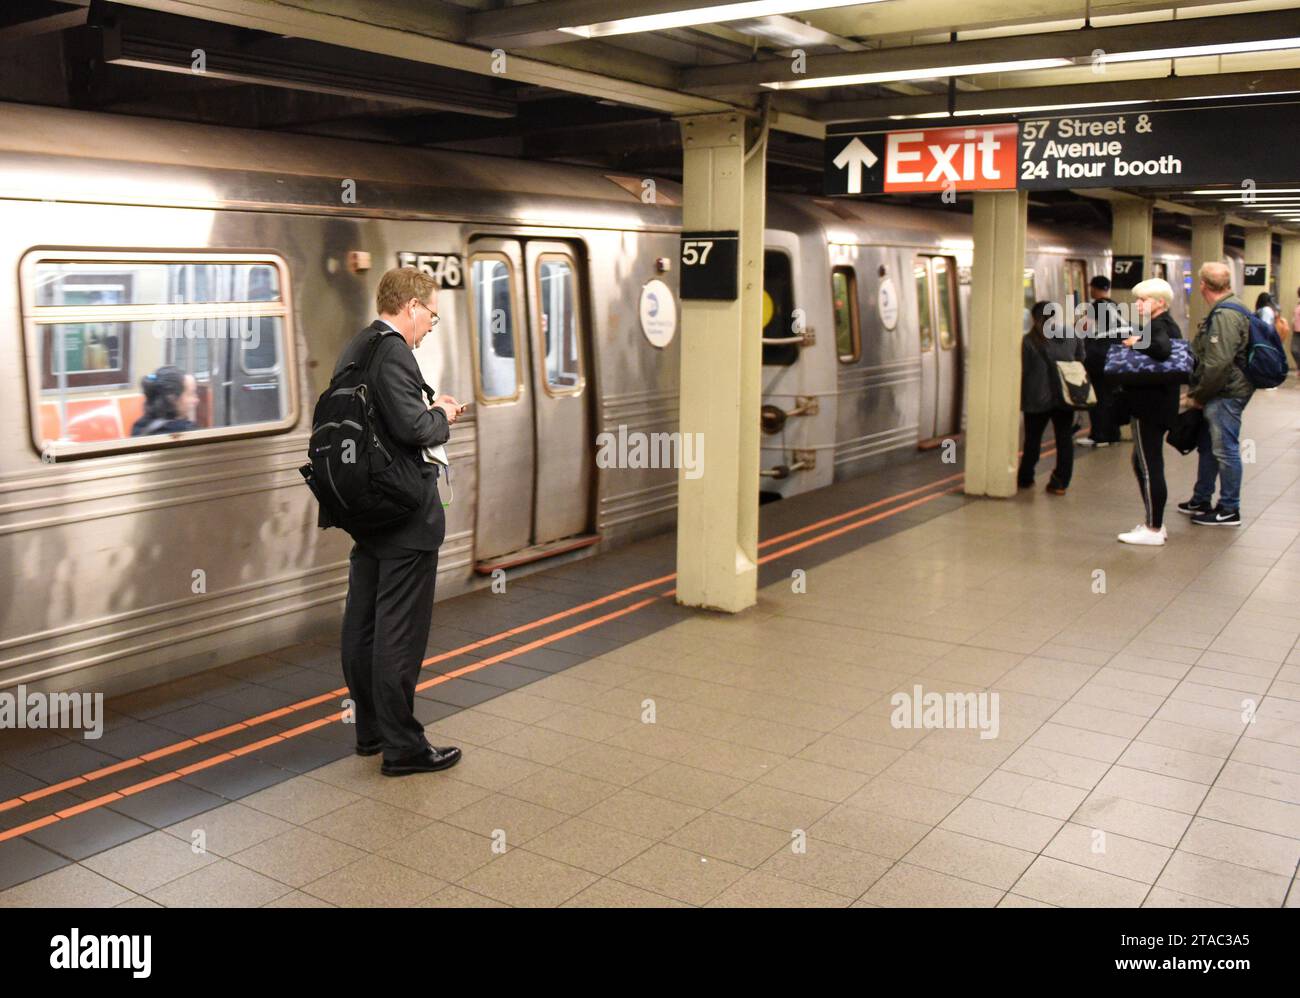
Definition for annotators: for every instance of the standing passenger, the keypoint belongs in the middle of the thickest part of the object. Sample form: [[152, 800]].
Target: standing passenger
[[392, 575], [1295, 328], [1220, 387], [1266, 308], [1154, 408], [1102, 326], [1042, 400]]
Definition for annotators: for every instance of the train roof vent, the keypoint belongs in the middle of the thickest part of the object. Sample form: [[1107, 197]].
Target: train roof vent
[[636, 187], [840, 209]]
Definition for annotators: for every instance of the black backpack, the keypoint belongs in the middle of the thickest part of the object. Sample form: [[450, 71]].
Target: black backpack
[[362, 480]]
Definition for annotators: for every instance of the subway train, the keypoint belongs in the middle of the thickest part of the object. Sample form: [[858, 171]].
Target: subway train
[[248, 259]]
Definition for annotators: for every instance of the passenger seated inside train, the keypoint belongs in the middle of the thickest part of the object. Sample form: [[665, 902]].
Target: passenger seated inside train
[[171, 401]]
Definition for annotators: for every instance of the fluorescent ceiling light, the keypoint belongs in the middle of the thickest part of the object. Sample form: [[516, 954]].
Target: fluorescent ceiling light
[[933, 73], [1191, 51], [1021, 110], [1250, 198], [704, 15], [1275, 190]]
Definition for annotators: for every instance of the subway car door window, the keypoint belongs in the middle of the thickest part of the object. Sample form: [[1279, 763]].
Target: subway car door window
[[136, 351]]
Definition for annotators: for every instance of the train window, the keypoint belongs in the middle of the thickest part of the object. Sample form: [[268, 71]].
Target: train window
[[492, 298], [921, 271], [944, 278], [558, 313], [1160, 269], [257, 354], [779, 319], [844, 300], [164, 346]]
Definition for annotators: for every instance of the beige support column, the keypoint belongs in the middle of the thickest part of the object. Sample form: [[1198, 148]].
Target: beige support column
[[717, 512], [1131, 236], [1259, 249], [1288, 280], [996, 325], [1207, 247]]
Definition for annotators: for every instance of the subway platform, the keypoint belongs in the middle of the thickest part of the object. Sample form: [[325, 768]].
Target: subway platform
[[623, 751]]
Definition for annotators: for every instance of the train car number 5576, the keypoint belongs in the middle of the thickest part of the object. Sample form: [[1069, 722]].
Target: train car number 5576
[[445, 268]]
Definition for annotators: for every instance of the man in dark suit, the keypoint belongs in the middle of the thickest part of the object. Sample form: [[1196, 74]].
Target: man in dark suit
[[391, 579]]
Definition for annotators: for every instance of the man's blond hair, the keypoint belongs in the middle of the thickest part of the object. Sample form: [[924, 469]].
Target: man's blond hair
[[399, 286], [1216, 276]]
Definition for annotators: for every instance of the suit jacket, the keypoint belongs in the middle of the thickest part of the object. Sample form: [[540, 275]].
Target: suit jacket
[[413, 426]]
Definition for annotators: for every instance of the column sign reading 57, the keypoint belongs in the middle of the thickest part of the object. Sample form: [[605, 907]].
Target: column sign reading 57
[[709, 262]]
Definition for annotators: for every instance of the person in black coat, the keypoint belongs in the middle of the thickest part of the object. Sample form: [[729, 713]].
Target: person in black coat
[[392, 574], [1102, 323], [1041, 398], [1153, 409]]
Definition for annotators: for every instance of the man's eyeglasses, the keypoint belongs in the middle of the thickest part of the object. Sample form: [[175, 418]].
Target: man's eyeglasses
[[429, 310]]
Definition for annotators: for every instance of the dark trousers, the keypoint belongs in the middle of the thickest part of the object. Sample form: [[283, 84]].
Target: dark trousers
[[385, 633], [1149, 466], [1102, 418], [1062, 421]]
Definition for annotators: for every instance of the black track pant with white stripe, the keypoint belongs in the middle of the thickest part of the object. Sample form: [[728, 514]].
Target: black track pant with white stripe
[[1149, 466]]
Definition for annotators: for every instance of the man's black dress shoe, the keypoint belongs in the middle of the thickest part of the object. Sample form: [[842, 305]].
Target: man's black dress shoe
[[429, 761], [370, 748]]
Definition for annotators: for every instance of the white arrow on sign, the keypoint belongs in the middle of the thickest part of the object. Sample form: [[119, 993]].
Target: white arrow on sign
[[854, 157]]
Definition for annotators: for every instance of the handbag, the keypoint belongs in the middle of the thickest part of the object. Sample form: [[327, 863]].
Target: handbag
[[1132, 368], [1182, 436], [1076, 389]]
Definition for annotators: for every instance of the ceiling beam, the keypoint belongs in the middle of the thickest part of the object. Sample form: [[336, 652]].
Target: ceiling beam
[[143, 40], [1164, 88], [399, 38], [28, 18], [1076, 44]]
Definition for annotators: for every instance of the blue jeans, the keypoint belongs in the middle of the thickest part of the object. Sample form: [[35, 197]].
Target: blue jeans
[[1219, 453]]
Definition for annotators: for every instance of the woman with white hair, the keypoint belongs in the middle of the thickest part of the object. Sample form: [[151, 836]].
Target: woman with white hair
[[1153, 408]]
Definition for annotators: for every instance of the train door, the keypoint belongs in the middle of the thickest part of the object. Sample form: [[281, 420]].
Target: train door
[[560, 399], [940, 346], [532, 403]]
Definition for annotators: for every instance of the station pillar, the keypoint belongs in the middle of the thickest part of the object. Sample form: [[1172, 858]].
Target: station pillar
[[1288, 279], [996, 326], [724, 189], [1207, 247], [1131, 236], [1259, 249]]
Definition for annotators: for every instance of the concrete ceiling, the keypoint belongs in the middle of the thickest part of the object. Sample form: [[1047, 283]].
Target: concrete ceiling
[[500, 76]]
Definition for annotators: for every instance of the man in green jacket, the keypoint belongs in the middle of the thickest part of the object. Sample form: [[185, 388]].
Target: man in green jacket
[[1220, 387]]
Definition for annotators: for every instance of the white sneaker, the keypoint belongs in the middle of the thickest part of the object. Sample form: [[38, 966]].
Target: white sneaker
[[1142, 534]]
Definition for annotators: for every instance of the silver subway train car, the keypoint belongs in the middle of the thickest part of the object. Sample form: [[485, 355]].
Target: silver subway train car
[[245, 260]]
